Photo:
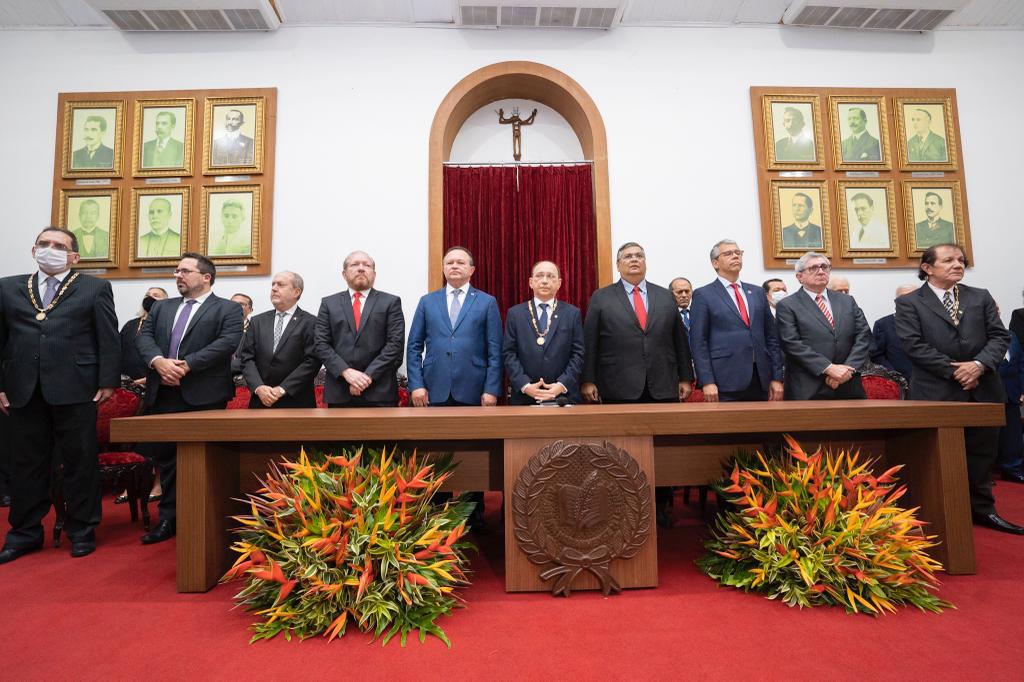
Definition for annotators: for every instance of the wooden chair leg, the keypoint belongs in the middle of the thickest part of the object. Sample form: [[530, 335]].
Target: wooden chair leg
[[686, 494]]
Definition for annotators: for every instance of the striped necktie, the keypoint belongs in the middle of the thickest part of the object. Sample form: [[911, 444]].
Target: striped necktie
[[820, 300]]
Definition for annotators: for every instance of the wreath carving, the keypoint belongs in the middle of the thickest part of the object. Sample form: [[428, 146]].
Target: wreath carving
[[576, 507]]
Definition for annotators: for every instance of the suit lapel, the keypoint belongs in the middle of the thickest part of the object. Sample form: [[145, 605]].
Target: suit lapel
[[620, 293], [295, 321], [815, 311], [932, 302], [167, 322], [441, 301], [729, 300], [364, 314], [467, 304], [345, 301], [204, 309]]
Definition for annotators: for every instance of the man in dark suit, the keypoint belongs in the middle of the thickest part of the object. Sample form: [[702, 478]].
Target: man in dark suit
[[454, 353], [187, 343], [94, 154], [682, 290], [61, 357], [278, 361], [360, 336], [802, 233], [885, 344], [233, 148], [246, 302], [955, 340], [732, 334], [824, 337], [636, 346], [543, 346]]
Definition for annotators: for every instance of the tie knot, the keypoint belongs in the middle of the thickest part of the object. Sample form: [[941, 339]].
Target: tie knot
[[456, 292], [51, 281], [735, 286], [358, 295], [819, 298], [282, 313], [544, 306], [190, 301]]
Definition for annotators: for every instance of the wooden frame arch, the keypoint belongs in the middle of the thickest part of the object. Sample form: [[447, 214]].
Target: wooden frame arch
[[526, 80]]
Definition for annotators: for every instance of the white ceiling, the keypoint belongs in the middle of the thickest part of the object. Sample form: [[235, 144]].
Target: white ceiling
[[78, 14]]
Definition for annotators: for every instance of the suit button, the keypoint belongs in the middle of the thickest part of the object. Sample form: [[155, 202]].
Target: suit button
[[35, 357], [42, 336], [449, 354]]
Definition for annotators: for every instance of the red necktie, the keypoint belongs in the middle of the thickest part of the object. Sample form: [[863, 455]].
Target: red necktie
[[741, 303], [820, 300], [357, 308], [638, 306]]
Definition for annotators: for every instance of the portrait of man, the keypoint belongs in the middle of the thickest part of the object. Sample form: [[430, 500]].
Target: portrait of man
[[88, 139], [230, 231], [867, 218], [89, 221], [859, 144], [231, 145], [803, 230], [798, 142], [161, 216], [924, 145], [930, 227], [166, 149]]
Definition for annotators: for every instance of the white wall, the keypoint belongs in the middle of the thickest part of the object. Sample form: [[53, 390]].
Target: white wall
[[356, 104], [482, 140]]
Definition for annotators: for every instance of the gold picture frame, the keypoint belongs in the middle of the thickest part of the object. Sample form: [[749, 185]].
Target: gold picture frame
[[85, 132], [233, 145], [792, 149], [919, 143], [81, 209], [171, 157], [231, 206], [864, 150], [788, 240], [919, 202], [862, 232], [150, 248]]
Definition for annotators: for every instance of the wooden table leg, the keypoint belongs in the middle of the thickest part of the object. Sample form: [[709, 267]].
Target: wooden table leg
[[207, 480], [936, 478]]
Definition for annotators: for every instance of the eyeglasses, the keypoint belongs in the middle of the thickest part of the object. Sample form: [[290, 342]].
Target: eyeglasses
[[821, 267], [184, 271], [732, 252], [56, 246], [633, 256]]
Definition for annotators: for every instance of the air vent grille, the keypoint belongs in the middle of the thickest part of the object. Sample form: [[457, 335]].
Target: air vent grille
[[128, 20]]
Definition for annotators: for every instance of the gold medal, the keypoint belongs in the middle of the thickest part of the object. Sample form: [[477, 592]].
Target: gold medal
[[540, 340], [40, 316]]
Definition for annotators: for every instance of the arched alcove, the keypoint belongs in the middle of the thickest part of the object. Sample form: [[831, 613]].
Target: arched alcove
[[525, 80]]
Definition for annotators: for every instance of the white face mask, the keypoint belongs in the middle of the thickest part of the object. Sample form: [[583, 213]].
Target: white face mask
[[51, 260], [778, 296]]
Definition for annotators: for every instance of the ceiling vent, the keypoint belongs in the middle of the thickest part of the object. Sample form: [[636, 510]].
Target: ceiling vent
[[600, 14], [882, 15], [189, 15]]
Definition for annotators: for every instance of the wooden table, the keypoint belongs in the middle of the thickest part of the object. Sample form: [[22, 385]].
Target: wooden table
[[675, 444]]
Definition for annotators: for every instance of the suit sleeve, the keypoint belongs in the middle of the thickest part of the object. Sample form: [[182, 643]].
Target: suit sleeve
[[575, 364], [324, 342], [414, 351], [517, 377], [912, 340], [108, 340], [1017, 324], [681, 341], [700, 330], [224, 345], [861, 350], [771, 341], [246, 357], [796, 348], [998, 338], [493, 332], [591, 339], [301, 378], [390, 356]]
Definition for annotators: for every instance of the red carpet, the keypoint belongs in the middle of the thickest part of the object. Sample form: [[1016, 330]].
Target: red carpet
[[116, 615]]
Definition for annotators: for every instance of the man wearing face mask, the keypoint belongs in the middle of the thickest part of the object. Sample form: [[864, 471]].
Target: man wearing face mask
[[58, 338], [775, 290], [131, 362]]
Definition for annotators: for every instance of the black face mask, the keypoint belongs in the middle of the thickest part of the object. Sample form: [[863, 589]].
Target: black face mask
[[147, 303]]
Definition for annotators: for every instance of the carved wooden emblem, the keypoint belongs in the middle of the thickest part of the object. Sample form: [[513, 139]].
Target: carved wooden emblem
[[578, 506]]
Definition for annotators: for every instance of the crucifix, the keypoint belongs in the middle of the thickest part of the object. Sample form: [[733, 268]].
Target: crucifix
[[517, 124]]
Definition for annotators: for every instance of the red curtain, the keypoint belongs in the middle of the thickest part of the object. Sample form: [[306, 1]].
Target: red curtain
[[510, 217]]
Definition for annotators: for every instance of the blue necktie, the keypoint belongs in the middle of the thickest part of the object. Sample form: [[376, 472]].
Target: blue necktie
[[453, 314], [542, 323], [686, 318]]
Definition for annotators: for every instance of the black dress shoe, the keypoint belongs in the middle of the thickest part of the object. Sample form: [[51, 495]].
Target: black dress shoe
[[1014, 475], [8, 554], [997, 522], [5, 500], [164, 531], [121, 499], [80, 549]]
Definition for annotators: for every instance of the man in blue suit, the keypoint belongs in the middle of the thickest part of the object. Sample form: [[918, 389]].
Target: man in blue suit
[[543, 347], [886, 349], [732, 334]]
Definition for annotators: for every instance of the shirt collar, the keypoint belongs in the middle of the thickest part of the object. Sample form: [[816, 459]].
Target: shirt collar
[[202, 299], [727, 284], [352, 294], [641, 285], [940, 292], [537, 303], [60, 277], [448, 289], [814, 296], [287, 313]]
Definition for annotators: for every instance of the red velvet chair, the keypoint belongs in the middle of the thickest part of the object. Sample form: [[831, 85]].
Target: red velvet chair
[[881, 383], [241, 399]]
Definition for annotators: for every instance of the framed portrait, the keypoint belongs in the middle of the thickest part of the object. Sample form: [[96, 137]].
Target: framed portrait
[[230, 224], [233, 138], [867, 219], [927, 133], [860, 132], [159, 225], [91, 139], [792, 129], [163, 137], [91, 214], [800, 218], [934, 214]]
